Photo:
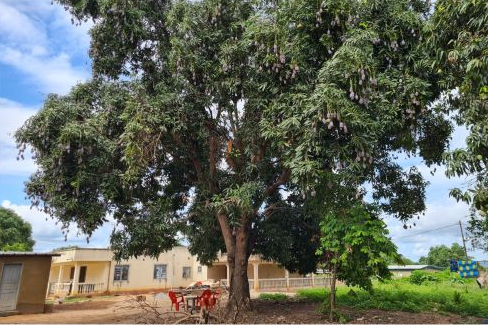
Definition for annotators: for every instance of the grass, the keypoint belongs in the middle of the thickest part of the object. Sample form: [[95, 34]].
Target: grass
[[74, 299], [273, 296], [465, 299]]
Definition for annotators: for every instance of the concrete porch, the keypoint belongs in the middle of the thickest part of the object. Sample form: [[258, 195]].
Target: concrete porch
[[79, 272]]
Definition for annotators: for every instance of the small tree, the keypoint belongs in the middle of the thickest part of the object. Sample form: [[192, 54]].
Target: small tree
[[354, 245], [15, 233], [440, 255]]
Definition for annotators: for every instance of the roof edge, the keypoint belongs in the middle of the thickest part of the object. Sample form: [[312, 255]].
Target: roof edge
[[11, 253]]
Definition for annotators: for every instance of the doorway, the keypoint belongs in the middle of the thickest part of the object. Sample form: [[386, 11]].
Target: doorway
[[9, 286]]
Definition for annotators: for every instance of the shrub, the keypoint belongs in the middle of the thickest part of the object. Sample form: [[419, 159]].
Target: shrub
[[315, 295], [273, 296], [421, 277], [457, 297]]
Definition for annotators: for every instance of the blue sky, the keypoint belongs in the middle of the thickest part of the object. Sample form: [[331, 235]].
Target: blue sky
[[41, 52]]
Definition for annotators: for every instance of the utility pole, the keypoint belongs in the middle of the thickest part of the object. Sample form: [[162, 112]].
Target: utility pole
[[464, 242]]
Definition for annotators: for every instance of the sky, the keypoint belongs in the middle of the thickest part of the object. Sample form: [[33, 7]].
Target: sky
[[41, 52]]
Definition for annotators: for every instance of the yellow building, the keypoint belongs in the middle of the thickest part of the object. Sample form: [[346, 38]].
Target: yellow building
[[23, 281], [91, 270], [79, 271]]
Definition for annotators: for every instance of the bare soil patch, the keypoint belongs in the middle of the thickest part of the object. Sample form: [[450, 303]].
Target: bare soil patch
[[84, 305]]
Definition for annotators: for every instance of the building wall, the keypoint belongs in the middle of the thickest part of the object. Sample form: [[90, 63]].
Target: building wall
[[270, 271], [33, 283], [217, 272], [265, 271], [141, 272]]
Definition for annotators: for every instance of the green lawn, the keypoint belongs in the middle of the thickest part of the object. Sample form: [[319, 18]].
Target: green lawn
[[465, 299], [273, 296]]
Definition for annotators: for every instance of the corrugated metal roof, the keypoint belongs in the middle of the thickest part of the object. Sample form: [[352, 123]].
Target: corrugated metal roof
[[413, 267], [27, 254]]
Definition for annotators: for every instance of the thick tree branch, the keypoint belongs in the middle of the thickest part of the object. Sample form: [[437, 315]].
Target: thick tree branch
[[283, 179], [229, 238]]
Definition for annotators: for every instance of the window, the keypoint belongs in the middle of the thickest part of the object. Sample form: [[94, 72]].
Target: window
[[199, 269], [186, 272], [121, 273], [160, 271]]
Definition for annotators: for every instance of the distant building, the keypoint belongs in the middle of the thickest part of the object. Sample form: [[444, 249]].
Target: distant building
[[400, 271], [23, 281]]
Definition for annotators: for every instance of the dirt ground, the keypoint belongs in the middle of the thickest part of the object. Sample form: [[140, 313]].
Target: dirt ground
[[119, 309]]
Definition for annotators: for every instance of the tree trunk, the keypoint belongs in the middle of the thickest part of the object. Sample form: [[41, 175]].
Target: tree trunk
[[332, 295], [237, 245], [239, 296]]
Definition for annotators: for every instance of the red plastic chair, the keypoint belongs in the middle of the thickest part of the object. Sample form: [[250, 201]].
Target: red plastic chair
[[215, 297], [175, 302], [205, 300]]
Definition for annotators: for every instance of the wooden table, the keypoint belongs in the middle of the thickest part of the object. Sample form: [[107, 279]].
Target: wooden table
[[193, 299]]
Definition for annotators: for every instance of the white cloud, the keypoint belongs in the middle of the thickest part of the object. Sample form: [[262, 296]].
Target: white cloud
[[53, 74], [48, 235], [39, 40], [13, 115], [17, 29]]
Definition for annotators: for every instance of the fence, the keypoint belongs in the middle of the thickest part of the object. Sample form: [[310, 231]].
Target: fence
[[59, 288], [83, 288], [284, 283]]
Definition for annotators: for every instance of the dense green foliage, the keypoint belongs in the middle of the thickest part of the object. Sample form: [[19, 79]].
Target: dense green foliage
[[446, 296], [459, 41], [15, 232], [440, 255], [355, 246], [421, 277]]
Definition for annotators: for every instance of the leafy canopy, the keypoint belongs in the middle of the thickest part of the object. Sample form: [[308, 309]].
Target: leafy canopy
[[15, 232]]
